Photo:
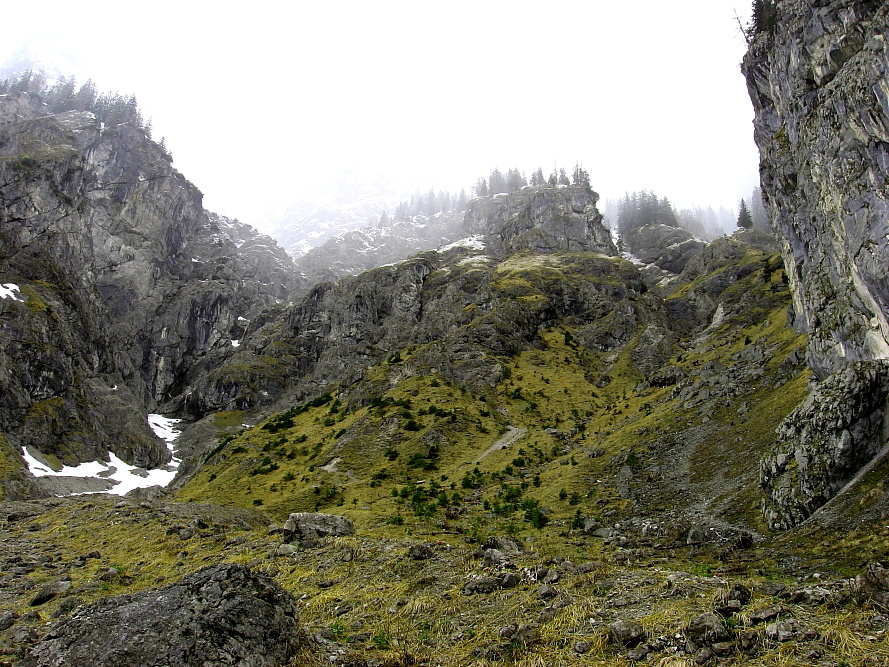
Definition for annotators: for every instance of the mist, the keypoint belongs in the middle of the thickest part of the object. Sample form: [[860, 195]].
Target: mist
[[263, 104]]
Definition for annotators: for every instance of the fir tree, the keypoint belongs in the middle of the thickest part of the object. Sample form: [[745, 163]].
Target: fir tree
[[496, 182], [745, 221], [581, 177]]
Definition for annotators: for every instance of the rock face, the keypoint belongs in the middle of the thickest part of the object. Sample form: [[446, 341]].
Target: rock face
[[359, 250], [819, 82], [221, 615], [825, 442], [122, 281], [541, 219]]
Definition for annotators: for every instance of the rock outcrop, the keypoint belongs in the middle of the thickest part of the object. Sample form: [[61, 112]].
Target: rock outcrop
[[221, 615], [307, 527], [540, 219], [818, 76], [825, 442], [669, 248]]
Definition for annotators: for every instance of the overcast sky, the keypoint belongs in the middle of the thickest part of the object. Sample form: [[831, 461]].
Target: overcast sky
[[259, 100]]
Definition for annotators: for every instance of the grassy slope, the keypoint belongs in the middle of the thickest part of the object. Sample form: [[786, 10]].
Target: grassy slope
[[405, 467]]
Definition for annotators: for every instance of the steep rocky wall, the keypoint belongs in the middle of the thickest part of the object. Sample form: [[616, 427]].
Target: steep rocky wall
[[819, 81], [124, 281]]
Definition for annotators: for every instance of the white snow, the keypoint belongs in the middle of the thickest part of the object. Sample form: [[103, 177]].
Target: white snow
[[476, 242], [9, 291], [164, 428], [235, 343], [475, 259], [124, 476]]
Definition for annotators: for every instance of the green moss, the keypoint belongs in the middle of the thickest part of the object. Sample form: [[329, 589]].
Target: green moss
[[34, 301], [228, 419]]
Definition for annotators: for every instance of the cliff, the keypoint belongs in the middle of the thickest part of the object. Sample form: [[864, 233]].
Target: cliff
[[121, 279], [818, 76], [541, 219]]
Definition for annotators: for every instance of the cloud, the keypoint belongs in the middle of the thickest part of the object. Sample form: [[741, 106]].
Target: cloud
[[259, 101]]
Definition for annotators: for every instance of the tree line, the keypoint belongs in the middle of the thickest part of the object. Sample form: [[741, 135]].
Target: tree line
[[428, 204], [514, 179], [65, 95], [638, 209], [433, 202]]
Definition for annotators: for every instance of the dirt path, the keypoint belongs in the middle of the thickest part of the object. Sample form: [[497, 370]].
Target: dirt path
[[512, 434]]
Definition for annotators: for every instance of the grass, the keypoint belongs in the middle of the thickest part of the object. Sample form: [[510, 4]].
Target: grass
[[406, 443]]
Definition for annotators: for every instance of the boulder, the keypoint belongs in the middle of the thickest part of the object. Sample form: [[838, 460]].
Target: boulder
[[626, 633], [307, 527], [222, 614], [707, 629], [873, 584], [483, 584]]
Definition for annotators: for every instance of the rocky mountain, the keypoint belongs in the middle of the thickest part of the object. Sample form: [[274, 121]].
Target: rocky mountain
[[349, 201], [817, 77], [116, 279], [353, 252], [525, 446]]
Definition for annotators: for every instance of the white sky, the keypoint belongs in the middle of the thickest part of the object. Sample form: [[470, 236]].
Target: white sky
[[257, 100]]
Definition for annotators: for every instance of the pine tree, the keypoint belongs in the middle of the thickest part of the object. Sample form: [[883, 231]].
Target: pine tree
[[481, 188], [563, 177], [581, 177], [745, 221], [758, 212], [515, 180], [496, 182]]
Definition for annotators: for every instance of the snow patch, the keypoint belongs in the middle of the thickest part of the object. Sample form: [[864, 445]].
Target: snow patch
[[476, 242], [10, 291], [236, 343], [475, 259], [124, 477]]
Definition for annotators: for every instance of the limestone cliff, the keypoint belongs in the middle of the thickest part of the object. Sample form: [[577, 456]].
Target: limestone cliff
[[820, 89], [541, 219], [818, 76], [122, 280]]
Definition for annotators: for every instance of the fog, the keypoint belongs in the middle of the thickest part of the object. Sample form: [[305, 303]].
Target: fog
[[260, 103]]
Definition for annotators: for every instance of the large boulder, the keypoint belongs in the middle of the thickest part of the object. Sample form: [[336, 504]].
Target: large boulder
[[670, 248], [222, 615], [307, 527]]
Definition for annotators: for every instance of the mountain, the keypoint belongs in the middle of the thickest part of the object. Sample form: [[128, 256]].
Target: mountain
[[353, 252], [349, 201], [524, 446], [117, 279]]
